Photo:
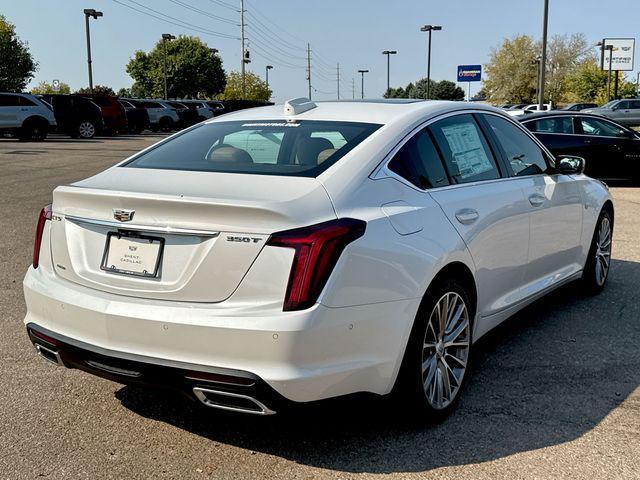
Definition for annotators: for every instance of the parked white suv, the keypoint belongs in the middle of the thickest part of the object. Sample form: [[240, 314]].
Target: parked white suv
[[25, 116], [300, 252], [205, 112], [162, 117]]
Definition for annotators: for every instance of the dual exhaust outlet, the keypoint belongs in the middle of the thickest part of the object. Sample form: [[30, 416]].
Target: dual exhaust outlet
[[220, 399]]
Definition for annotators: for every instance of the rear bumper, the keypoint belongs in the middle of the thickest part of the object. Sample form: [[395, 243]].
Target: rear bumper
[[301, 356]]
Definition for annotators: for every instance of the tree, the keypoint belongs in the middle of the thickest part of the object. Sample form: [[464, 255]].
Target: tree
[[588, 83], [17, 67], [442, 90], [98, 89], [256, 87], [510, 75], [193, 70], [565, 55], [44, 88], [125, 92]]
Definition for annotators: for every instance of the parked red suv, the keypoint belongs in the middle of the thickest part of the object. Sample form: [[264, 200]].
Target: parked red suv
[[113, 113]]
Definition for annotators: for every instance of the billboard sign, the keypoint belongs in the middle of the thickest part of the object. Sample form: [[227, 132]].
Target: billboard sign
[[621, 56], [55, 86], [469, 73]]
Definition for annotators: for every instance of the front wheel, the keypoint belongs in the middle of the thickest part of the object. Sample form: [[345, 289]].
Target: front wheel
[[596, 269], [438, 355], [33, 130]]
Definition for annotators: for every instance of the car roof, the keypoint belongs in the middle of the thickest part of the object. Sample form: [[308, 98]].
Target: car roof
[[379, 111], [553, 113]]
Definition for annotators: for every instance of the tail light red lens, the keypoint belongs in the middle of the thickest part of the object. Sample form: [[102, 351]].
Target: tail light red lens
[[317, 250], [45, 214]]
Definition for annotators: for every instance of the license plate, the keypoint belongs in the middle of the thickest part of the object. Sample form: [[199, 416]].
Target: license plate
[[132, 254]]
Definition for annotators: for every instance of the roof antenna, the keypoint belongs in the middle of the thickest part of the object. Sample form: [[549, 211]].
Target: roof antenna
[[298, 105]]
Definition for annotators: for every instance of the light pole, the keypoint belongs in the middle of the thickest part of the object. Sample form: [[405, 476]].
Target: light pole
[[90, 12], [267, 68], [362, 72], [429, 28], [610, 49], [166, 37], [388, 53], [543, 58], [638, 85]]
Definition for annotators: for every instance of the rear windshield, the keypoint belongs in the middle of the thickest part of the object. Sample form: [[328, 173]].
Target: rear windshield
[[273, 147]]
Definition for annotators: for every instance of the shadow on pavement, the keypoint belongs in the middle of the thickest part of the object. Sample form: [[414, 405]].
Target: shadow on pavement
[[547, 376]]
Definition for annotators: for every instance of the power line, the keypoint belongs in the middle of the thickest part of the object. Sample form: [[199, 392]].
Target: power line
[[207, 14], [174, 21], [224, 4], [266, 41], [274, 36]]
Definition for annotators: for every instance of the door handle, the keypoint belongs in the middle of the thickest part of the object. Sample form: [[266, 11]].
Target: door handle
[[467, 216], [535, 199], [587, 141]]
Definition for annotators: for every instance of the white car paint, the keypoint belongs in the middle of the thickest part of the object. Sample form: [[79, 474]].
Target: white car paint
[[219, 304]]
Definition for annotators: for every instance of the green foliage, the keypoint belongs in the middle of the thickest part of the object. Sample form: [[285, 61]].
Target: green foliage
[[125, 92], [45, 88], [193, 70], [17, 67], [442, 90], [588, 83], [99, 89], [510, 75], [256, 88]]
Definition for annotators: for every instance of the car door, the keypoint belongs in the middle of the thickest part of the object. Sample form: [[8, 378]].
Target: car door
[[634, 113], [620, 112], [488, 211], [554, 204], [607, 144]]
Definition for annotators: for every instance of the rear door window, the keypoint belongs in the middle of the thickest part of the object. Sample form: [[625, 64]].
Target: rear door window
[[9, 101], [466, 153], [271, 147], [419, 162], [552, 125]]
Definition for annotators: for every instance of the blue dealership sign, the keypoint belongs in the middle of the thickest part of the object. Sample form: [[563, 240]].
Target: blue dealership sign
[[469, 73]]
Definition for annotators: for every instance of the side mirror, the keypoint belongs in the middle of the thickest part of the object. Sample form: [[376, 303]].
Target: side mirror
[[571, 165], [627, 134]]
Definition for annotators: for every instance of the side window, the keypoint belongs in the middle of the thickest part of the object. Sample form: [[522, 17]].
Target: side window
[[600, 128], [552, 125], [635, 104], [9, 101], [525, 157], [623, 105], [466, 153], [26, 102], [418, 162]]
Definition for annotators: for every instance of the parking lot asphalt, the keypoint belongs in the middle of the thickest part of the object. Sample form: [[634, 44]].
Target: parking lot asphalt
[[555, 391]]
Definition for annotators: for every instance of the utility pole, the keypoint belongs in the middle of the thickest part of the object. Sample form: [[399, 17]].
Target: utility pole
[[429, 28], [610, 49], [267, 68], [338, 80], [362, 72], [353, 88], [166, 37], [90, 12], [242, 54], [543, 59], [388, 53], [309, 68]]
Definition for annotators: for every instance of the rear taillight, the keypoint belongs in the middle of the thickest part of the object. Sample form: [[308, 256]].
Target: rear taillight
[[45, 214], [317, 249]]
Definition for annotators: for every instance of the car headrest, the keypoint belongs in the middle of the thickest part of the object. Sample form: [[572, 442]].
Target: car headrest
[[309, 150], [229, 154]]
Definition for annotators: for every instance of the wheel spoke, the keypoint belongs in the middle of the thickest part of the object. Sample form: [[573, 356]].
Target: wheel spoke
[[451, 373], [451, 338]]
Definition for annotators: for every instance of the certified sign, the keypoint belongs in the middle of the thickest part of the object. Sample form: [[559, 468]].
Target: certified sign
[[622, 54], [55, 85], [469, 73]]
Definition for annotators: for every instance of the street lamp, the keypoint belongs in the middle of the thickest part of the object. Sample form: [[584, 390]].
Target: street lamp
[[388, 53], [543, 59], [362, 72], [429, 28], [267, 68], [90, 12], [610, 49], [166, 37]]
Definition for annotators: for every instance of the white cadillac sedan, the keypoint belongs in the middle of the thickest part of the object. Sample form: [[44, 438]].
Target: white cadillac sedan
[[300, 252]]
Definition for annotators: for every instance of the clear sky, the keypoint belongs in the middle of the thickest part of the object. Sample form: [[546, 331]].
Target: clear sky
[[351, 32]]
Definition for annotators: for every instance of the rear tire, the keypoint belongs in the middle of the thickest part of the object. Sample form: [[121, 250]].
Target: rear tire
[[596, 269], [86, 129], [33, 130], [436, 363], [166, 124]]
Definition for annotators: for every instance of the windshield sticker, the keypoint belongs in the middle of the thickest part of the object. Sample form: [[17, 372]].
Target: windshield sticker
[[272, 124]]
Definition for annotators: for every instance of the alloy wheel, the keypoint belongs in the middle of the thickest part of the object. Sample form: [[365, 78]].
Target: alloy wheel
[[603, 251], [86, 130], [446, 349]]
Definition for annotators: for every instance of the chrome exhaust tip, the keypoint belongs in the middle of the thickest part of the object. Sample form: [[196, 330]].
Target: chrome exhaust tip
[[48, 354], [232, 402]]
